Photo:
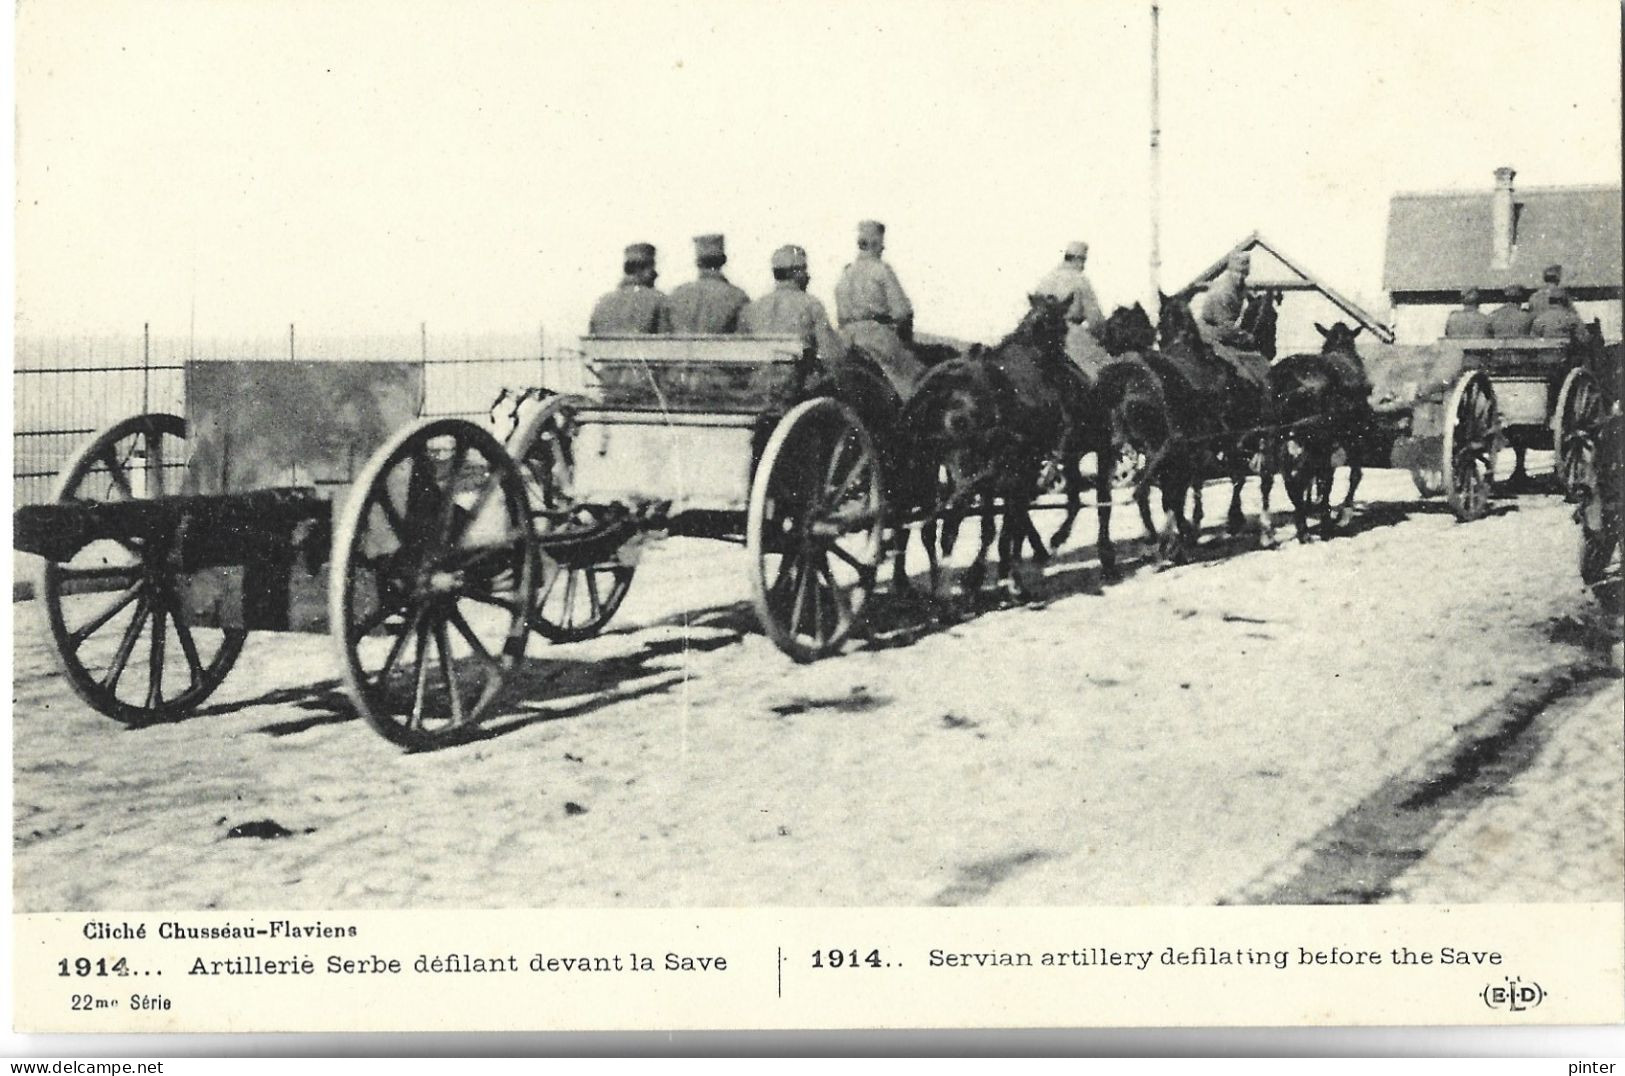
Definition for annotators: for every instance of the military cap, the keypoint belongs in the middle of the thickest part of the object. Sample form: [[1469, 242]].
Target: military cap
[[1469, 295], [871, 230], [790, 257], [1079, 250], [642, 253], [1514, 292], [1553, 274], [708, 244]]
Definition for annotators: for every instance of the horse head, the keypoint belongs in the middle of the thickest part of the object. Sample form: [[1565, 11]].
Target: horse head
[[1044, 325], [1127, 329], [1260, 317], [1176, 324], [1339, 339]]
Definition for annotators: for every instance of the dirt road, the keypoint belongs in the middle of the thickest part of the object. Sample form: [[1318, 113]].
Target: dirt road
[[1382, 716]]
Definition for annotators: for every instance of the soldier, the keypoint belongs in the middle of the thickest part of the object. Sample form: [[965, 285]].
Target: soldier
[[875, 314], [1469, 320], [709, 304], [1226, 298], [635, 306], [1510, 318], [1559, 320], [1068, 281], [1552, 279], [789, 309]]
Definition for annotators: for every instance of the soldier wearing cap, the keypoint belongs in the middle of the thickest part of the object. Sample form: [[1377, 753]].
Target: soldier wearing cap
[[1552, 279], [1559, 320], [1225, 300], [1469, 321], [874, 312], [709, 304], [788, 309], [1069, 283], [635, 306], [1510, 318]]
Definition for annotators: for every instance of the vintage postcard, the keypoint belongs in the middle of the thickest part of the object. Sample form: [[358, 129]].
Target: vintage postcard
[[706, 514]]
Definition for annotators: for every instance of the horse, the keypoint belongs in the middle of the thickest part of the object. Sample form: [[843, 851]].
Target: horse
[[1221, 420], [989, 421], [1321, 403]]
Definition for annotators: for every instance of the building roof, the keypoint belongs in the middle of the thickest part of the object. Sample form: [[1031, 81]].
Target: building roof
[[1279, 271], [1442, 240]]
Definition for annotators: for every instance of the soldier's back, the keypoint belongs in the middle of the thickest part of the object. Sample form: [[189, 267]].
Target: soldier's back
[[707, 305], [1467, 323], [629, 309], [1509, 320]]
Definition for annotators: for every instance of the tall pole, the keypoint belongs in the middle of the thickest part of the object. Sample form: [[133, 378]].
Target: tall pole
[[1154, 296]]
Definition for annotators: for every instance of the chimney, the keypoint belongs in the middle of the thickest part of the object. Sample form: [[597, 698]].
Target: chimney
[[1501, 219]]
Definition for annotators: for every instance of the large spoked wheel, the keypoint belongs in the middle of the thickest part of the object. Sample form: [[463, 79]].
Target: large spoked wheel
[[1472, 438], [586, 569], [432, 579], [114, 608], [1575, 422], [814, 528]]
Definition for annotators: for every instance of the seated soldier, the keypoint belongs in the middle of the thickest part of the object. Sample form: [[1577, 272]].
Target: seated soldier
[[1559, 320], [1510, 318], [1551, 280], [788, 309], [709, 304], [635, 306], [1469, 321], [1220, 328], [874, 312]]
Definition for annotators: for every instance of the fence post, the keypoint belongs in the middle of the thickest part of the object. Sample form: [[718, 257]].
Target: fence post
[[290, 341], [146, 367]]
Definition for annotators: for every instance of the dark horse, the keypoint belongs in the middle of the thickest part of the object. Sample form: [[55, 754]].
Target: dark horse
[[988, 423], [1322, 405], [1191, 413]]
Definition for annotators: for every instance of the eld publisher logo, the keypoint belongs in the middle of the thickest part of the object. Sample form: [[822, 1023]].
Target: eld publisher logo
[[1515, 996]]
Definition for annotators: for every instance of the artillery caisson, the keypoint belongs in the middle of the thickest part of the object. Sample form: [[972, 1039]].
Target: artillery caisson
[[453, 545]]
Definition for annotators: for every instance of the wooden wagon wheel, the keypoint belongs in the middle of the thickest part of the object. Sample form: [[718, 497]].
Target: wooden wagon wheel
[[99, 636], [1575, 421], [576, 598], [1472, 437], [814, 528], [433, 575]]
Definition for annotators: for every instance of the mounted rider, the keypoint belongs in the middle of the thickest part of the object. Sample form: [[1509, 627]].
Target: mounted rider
[[1222, 308], [788, 309], [1069, 283], [709, 304], [874, 313], [635, 306]]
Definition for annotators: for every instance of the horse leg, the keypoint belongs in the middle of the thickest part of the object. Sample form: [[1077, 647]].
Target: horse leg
[[1235, 521], [1354, 451], [977, 572], [1175, 526], [1266, 483], [1105, 464], [1074, 499]]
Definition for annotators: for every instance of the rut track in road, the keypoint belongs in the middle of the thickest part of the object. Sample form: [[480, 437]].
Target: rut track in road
[[1358, 858]]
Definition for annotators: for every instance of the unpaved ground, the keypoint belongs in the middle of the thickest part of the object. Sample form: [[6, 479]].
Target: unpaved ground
[[1383, 716]]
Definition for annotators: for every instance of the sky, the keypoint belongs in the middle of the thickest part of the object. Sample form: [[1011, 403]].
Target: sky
[[225, 167]]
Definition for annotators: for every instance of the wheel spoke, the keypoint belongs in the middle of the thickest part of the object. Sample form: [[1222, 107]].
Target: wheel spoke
[[371, 622], [474, 644], [155, 659], [802, 577], [155, 464], [115, 470], [95, 623], [194, 666], [126, 645], [398, 647], [843, 615], [592, 593], [569, 598], [448, 672], [448, 506], [493, 600], [392, 515], [421, 691]]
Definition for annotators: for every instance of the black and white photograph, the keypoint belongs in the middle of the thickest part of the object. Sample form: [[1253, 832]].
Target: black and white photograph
[[719, 455]]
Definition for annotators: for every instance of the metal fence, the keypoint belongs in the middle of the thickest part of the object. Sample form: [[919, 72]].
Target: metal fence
[[66, 388]]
